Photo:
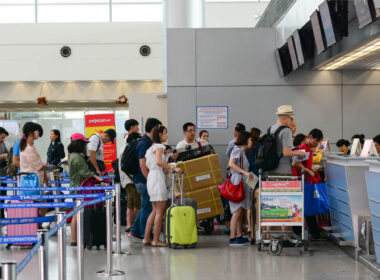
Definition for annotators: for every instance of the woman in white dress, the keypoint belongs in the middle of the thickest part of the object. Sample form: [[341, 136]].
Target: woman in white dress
[[156, 163], [240, 171]]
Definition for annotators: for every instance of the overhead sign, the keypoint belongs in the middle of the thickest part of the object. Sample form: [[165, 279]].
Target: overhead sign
[[212, 117]]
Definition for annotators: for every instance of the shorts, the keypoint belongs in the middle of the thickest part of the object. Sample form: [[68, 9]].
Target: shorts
[[133, 197]]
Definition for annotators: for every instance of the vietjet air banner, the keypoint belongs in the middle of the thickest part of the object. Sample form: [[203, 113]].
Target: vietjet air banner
[[99, 123]]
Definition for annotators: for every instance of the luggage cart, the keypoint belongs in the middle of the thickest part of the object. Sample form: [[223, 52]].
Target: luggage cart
[[281, 203]]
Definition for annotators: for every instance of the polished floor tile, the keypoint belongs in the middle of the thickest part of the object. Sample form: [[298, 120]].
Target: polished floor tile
[[213, 259]]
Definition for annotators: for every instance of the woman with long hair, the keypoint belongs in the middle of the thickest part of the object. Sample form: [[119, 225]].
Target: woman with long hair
[[30, 160], [156, 163]]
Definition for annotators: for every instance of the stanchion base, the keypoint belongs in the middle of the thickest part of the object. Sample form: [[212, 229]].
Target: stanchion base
[[105, 273], [127, 253]]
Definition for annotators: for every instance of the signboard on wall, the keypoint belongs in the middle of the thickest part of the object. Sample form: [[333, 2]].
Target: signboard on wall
[[212, 117], [99, 123]]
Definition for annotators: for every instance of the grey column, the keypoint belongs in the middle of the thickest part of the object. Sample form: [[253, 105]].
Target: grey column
[[180, 14]]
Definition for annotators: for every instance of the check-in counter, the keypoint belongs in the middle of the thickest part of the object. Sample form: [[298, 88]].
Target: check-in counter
[[373, 189], [347, 194]]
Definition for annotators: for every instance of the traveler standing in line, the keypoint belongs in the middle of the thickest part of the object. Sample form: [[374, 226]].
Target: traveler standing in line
[[137, 231], [78, 171], [95, 149], [256, 133], [189, 130], [240, 171], [133, 197], [239, 127], [56, 151], [284, 141], [3, 152], [3, 160], [156, 162], [30, 160], [312, 141], [203, 135]]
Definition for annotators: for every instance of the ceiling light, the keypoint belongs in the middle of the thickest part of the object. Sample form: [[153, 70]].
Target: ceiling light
[[365, 50]]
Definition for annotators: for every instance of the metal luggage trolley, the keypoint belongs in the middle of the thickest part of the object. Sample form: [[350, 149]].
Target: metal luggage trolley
[[281, 201]]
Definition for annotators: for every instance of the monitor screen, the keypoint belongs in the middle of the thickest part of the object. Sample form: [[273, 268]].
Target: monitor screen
[[377, 7], [298, 45], [279, 62], [363, 12], [327, 23], [317, 31], [292, 52]]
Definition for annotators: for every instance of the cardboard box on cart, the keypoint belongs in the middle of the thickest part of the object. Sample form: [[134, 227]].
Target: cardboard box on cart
[[209, 203], [200, 173]]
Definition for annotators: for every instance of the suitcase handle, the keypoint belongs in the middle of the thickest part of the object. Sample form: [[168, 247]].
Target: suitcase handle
[[174, 179]]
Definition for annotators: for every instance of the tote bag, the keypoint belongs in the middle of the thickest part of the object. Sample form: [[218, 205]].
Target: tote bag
[[30, 181], [316, 201]]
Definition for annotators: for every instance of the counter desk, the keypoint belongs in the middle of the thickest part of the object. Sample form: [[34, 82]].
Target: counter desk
[[373, 189], [347, 194]]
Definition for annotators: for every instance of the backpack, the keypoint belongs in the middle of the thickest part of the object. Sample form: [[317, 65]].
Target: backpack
[[12, 169], [129, 162], [267, 157]]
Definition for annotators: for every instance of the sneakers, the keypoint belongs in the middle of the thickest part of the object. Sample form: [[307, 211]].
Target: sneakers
[[134, 237], [240, 241]]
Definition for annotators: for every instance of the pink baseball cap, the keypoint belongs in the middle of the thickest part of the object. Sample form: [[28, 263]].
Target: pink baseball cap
[[78, 136]]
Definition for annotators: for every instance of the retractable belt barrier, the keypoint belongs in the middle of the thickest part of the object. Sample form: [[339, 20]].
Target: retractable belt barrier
[[51, 232], [97, 188]]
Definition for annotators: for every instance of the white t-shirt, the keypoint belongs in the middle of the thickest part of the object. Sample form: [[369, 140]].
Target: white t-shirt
[[96, 145], [183, 144]]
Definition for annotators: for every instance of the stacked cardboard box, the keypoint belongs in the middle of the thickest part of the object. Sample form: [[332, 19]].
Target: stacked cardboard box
[[200, 182]]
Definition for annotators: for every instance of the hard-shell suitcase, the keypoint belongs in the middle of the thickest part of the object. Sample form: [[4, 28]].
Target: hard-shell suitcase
[[94, 219], [94, 227], [22, 229], [180, 226]]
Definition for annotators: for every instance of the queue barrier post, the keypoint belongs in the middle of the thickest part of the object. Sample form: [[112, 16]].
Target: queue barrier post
[[80, 240], [8, 270], [43, 254], [61, 246], [118, 251], [109, 271]]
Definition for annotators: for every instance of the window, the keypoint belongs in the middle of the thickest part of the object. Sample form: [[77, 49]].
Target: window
[[73, 13], [136, 12], [17, 11]]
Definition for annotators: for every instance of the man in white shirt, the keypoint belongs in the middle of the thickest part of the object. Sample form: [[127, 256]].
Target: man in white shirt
[[95, 149], [189, 131]]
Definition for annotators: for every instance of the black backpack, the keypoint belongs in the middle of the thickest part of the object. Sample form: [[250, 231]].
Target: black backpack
[[267, 157], [129, 162]]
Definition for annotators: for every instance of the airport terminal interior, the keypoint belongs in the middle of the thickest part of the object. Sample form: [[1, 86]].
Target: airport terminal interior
[[189, 139]]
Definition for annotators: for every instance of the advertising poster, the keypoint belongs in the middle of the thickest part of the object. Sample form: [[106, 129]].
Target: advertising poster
[[99, 123], [281, 208]]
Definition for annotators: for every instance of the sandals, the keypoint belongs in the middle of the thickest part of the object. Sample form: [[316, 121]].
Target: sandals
[[159, 244], [146, 243]]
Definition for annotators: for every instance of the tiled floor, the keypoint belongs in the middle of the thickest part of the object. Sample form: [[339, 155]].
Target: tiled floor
[[213, 259]]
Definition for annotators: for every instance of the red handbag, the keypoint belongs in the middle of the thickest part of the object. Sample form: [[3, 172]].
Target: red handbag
[[231, 192]]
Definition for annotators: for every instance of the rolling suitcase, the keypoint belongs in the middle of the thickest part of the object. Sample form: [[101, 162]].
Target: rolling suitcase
[[94, 218], [94, 227], [180, 225], [22, 229]]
